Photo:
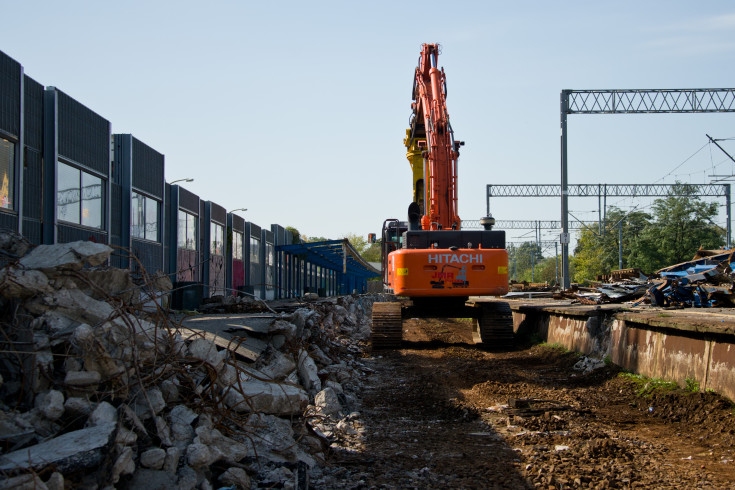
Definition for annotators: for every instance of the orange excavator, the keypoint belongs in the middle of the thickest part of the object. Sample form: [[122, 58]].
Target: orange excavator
[[429, 260]]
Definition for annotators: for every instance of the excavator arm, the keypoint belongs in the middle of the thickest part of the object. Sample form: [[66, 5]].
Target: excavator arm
[[431, 148]]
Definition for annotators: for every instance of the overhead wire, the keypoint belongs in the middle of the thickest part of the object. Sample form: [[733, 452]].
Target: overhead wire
[[676, 176], [682, 163]]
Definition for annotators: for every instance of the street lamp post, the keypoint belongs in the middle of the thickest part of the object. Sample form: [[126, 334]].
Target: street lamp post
[[181, 180], [239, 209]]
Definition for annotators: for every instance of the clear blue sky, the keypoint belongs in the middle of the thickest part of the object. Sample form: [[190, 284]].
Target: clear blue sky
[[297, 110]]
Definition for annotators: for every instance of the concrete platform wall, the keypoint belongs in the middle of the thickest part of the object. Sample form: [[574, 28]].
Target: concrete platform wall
[[655, 352]]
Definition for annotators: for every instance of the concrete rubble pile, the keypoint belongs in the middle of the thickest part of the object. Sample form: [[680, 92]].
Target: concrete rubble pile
[[101, 390]]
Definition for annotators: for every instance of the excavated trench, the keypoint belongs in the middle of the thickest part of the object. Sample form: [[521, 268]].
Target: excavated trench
[[439, 412]]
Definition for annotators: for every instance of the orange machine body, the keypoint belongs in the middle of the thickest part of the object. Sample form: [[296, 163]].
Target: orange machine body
[[445, 272]]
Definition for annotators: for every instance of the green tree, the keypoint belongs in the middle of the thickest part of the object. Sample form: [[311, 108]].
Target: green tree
[[368, 251], [312, 239], [546, 269], [295, 233], [522, 260], [598, 250], [683, 224]]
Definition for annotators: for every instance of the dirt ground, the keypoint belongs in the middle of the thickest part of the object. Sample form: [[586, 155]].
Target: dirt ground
[[440, 413]]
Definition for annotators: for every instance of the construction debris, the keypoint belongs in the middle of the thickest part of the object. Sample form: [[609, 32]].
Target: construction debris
[[705, 281], [525, 286], [99, 385]]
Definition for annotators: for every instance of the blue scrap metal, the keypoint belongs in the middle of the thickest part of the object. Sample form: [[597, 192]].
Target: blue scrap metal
[[692, 283], [673, 292]]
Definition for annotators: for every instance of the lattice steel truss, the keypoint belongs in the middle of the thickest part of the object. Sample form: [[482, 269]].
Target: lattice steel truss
[[650, 101], [611, 190], [540, 243], [502, 224]]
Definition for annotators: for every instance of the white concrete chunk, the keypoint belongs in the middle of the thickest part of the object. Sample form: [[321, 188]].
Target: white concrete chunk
[[327, 402], [279, 366], [206, 350], [72, 451], [199, 455], [153, 458], [77, 406], [271, 398], [171, 463], [273, 440], [124, 464], [150, 400], [21, 284], [74, 304], [51, 404], [308, 372], [70, 256], [103, 414], [181, 414], [226, 448], [82, 378]]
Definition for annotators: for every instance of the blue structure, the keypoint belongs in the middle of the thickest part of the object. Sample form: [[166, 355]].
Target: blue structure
[[341, 269], [64, 176]]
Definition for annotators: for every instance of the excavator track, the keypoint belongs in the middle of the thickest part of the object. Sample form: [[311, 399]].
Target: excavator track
[[494, 325], [387, 326]]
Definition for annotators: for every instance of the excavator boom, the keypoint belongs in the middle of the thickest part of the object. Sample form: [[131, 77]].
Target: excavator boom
[[431, 145]]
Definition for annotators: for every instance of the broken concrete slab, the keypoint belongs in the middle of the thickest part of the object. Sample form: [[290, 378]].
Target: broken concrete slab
[[254, 395], [277, 365], [308, 373], [223, 447], [287, 329], [14, 244], [73, 304], [272, 438], [249, 348], [72, 451], [21, 284], [111, 282], [51, 404], [327, 402], [66, 256], [206, 350], [104, 413], [199, 455], [124, 464], [23, 482], [153, 458], [148, 403]]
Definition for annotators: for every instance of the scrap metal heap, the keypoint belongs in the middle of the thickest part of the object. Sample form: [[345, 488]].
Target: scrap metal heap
[[705, 281]]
